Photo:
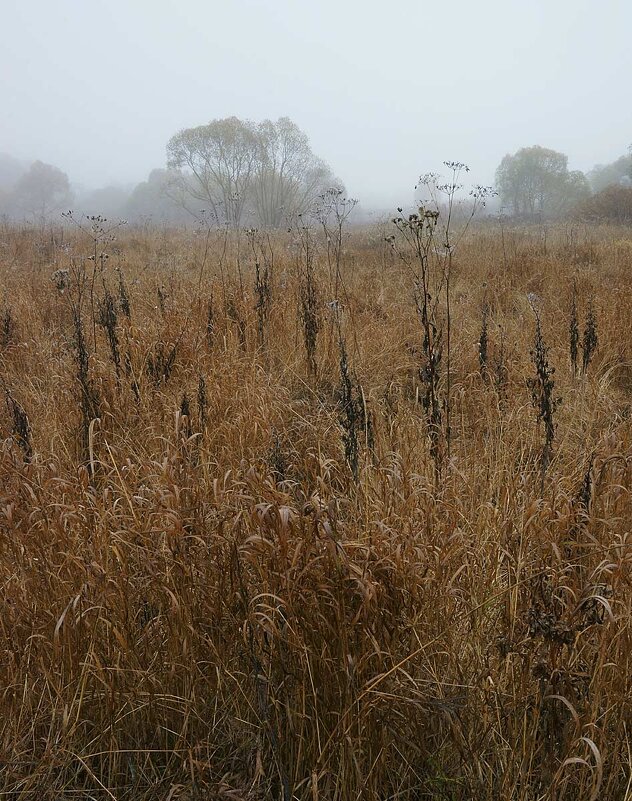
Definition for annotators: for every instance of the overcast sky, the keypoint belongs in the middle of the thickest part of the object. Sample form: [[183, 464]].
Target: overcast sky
[[384, 90]]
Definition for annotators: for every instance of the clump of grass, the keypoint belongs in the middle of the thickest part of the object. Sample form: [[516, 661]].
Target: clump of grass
[[162, 299], [500, 368], [235, 316], [483, 344], [573, 330], [588, 342], [21, 428], [8, 328], [90, 401], [590, 339], [108, 319], [123, 296], [263, 293], [542, 387], [160, 363], [278, 460], [210, 322], [185, 414], [355, 420], [263, 255], [309, 306], [202, 403]]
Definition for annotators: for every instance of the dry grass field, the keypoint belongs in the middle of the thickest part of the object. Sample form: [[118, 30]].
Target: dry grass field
[[258, 541]]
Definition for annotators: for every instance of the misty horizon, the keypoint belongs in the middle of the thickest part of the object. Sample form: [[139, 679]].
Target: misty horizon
[[384, 95]]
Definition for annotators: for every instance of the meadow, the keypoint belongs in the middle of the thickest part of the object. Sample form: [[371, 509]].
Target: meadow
[[316, 516]]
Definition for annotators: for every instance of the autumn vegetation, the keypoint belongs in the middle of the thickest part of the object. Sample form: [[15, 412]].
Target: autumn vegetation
[[328, 513]]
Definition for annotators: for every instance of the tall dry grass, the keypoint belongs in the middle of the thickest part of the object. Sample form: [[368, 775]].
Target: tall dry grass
[[201, 599]]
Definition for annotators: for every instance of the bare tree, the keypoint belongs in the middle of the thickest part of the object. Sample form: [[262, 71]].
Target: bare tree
[[288, 177], [267, 172], [220, 159]]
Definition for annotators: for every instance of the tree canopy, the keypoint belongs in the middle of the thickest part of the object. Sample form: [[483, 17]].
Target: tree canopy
[[40, 192], [617, 172], [536, 182], [613, 204], [153, 200], [244, 171]]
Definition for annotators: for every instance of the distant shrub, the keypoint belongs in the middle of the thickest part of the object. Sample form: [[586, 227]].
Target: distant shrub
[[613, 204]]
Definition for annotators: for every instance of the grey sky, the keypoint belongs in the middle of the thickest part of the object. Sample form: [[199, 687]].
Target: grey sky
[[385, 91]]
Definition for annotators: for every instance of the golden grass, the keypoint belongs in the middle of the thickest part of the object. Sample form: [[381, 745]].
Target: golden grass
[[208, 606]]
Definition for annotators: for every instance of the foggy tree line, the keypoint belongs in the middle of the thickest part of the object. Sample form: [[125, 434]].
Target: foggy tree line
[[232, 171], [536, 181], [535, 184], [41, 192], [238, 172]]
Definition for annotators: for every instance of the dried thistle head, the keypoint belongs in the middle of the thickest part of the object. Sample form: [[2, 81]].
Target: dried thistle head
[[61, 279]]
